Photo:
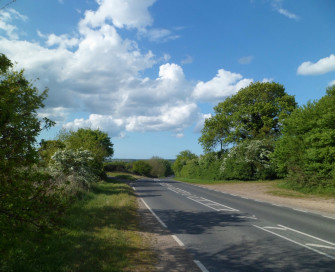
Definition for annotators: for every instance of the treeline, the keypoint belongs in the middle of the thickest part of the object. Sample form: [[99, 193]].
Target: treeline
[[39, 183], [261, 133], [154, 167]]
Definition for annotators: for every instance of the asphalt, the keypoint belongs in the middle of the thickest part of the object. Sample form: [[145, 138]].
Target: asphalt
[[223, 232]]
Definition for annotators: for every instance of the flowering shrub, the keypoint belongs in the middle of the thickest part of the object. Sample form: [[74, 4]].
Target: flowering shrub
[[249, 160], [73, 166]]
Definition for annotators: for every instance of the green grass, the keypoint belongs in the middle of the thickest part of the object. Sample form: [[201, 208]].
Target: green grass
[[123, 176], [100, 233]]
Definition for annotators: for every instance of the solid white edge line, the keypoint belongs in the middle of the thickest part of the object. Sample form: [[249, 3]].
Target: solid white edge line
[[297, 243], [155, 215], [178, 240], [311, 236], [328, 217], [317, 245], [201, 266]]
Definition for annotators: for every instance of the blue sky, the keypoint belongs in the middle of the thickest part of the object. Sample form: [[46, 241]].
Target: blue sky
[[149, 72]]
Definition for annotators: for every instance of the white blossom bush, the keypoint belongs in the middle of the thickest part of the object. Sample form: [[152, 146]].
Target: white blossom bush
[[249, 160], [73, 168]]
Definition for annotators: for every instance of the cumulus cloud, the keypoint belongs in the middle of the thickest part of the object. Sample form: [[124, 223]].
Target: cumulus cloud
[[123, 13], [113, 126], [331, 83], [322, 66], [224, 84], [97, 71]]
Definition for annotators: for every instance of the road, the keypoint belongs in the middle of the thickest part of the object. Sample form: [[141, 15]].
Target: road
[[223, 232]]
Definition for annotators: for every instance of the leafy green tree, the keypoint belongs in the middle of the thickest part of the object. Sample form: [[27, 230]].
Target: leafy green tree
[[182, 158], [26, 195], [306, 151], [159, 167], [48, 149], [142, 168], [95, 141], [255, 112]]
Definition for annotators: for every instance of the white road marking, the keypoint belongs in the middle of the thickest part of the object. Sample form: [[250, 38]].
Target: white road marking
[[276, 228], [200, 265], [300, 210], [311, 236], [178, 240], [317, 245], [295, 242], [328, 217], [134, 188], [277, 205], [154, 214], [211, 204]]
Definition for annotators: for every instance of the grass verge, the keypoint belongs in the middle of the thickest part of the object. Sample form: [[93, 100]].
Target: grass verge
[[100, 233], [123, 176]]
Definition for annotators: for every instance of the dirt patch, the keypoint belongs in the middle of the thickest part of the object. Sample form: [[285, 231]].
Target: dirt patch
[[264, 192]]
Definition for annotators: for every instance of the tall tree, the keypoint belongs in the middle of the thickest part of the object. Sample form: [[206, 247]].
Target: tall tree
[[25, 194], [255, 112]]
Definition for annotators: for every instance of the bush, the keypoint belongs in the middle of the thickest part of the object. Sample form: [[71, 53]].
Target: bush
[[142, 168], [117, 166], [249, 160], [73, 167], [159, 167], [306, 151]]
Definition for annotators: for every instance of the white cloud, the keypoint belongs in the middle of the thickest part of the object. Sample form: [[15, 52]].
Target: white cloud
[[322, 66], [331, 83], [106, 123], [123, 13], [278, 6], [201, 121], [224, 84], [245, 60], [6, 18]]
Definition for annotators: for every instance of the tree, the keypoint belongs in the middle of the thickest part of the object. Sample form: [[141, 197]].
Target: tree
[[306, 151], [48, 149], [159, 167], [182, 158], [26, 195], [142, 168], [95, 141], [255, 112]]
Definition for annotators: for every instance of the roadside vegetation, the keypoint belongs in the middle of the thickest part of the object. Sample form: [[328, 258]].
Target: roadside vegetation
[[58, 209], [261, 134]]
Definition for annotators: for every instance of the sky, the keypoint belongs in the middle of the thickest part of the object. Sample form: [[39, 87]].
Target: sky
[[149, 72]]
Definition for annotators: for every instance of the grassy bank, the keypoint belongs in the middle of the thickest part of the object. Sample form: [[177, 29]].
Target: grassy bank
[[99, 233]]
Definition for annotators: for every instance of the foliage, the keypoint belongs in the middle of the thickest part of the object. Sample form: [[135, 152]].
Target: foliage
[[75, 166], [116, 166], [48, 148], [255, 112], [99, 233], [306, 151], [249, 160], [19, 123], [159, 167], [27, 195], [95, 141], [182, 158], [142, 168]]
